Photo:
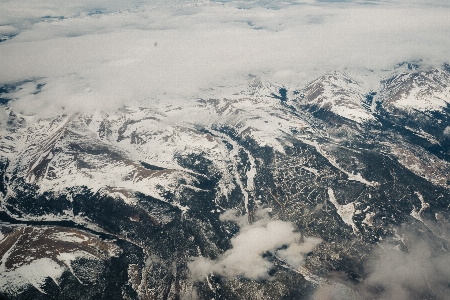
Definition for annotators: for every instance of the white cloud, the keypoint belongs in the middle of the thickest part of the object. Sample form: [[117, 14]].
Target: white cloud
[[253, 240], [201, 46]]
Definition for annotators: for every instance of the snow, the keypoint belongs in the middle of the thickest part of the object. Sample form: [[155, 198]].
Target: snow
[[423, 206], [234, 154], [67, 259], [355, 177], [355, 114], [346, 211], [341, 95], [420, 162], [311, 170], [34, 273], [165, 128], [423, 104], [425, 90], [423, 134], [368, 220], [69, 237]]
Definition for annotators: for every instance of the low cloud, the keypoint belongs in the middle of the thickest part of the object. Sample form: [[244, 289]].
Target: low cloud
[[245, 258], [413, 264], [420, 271]]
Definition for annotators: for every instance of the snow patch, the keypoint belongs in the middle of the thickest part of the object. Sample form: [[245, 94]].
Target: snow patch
[[33, 274], [346, 211], [418, 214], [368, 220], [355, 177]]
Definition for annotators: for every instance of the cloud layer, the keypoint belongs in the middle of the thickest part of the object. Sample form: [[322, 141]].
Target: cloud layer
[[134, 51], [245, 258]]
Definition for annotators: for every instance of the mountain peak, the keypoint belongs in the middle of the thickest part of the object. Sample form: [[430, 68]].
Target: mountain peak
[[338, 93], [422, 90]]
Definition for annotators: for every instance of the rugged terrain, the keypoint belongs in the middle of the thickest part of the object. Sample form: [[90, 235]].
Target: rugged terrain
[[109, 206]]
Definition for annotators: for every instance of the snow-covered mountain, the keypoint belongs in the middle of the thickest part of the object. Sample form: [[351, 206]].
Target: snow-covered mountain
[[341, 95], [418, 90], [119, 205]]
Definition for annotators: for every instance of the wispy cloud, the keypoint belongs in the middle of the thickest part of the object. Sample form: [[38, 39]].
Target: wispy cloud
[[245, 258]]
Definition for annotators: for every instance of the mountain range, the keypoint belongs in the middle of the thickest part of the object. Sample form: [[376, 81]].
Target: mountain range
[[121, 205]]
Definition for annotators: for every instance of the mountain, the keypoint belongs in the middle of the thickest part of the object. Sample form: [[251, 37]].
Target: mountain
[[341, 95], [133, 204], [422, 90]]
